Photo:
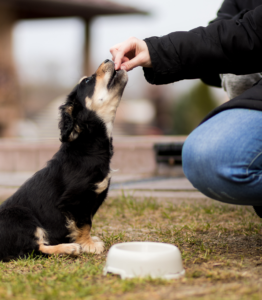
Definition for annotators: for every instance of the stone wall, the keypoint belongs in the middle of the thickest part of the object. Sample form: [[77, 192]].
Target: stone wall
[[132, 155]]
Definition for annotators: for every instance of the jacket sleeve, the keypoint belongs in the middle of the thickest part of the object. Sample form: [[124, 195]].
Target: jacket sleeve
[[226, 46], [228, 10]]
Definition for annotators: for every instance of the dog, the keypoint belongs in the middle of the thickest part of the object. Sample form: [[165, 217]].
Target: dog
[[52, 212]]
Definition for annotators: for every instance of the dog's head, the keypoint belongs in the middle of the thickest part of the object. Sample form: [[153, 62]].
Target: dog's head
[[99, 93]]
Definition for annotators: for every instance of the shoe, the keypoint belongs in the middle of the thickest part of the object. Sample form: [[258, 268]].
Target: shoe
[[258, 210]]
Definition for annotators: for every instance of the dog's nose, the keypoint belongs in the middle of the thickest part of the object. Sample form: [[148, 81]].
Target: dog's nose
[[106, 61]]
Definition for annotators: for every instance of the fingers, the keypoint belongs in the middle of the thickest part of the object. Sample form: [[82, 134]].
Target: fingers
[[130, 54], [114, 50], [119, 51], [142, 59], [128, 65], [117, 56], [120, 54]]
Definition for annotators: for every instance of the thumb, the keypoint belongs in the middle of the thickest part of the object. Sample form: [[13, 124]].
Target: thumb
[[131, 64]]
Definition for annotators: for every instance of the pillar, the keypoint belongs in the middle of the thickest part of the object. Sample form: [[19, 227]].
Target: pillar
[[10, 107]]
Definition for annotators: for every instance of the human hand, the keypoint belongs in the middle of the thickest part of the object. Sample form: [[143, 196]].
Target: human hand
[[130, 54]]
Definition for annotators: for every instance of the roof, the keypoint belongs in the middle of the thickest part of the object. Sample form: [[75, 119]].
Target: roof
[[32, 9]]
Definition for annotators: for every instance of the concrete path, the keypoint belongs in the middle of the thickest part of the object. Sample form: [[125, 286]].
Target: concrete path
[[174, 188]]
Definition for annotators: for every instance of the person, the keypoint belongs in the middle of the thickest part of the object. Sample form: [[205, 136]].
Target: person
[[222, 157]]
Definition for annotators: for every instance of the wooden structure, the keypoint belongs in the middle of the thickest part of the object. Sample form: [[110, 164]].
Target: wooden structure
[[12, 11]]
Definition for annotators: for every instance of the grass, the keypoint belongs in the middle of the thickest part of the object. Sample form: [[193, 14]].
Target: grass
[[221, 246]]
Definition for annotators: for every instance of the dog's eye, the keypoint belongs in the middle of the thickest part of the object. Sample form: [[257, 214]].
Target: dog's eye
[[87, 80]]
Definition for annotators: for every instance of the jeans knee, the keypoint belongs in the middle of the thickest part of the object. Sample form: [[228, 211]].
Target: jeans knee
[[193, 160], [187, 158], [212, 172], [222, 158], [202, 169], [202, 165]]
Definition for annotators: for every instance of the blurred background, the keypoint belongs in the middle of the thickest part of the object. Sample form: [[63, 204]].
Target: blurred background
[[46, 46]]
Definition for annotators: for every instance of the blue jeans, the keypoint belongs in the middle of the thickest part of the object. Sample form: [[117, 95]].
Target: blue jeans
[[222, 157]]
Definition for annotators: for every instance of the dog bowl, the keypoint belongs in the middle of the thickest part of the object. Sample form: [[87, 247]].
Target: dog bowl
[[144, 259]]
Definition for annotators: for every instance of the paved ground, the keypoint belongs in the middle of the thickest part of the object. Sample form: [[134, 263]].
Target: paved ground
[[174, 188]]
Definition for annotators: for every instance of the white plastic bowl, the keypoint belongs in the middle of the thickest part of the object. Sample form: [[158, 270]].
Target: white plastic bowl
[[143, 259]]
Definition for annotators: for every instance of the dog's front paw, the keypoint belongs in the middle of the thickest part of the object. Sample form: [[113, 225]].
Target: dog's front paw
[[95, 246]]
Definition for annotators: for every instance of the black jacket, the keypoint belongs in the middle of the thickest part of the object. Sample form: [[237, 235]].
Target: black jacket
[[231, 8], [232, 43]]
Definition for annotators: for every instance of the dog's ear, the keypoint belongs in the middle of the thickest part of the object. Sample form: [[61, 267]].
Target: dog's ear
[[68, 125]]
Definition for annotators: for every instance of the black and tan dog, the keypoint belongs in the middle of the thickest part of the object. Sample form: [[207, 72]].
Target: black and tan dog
[[52, 212]]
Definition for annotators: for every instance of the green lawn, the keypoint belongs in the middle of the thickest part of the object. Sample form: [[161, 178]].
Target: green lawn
[[221, 246]]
